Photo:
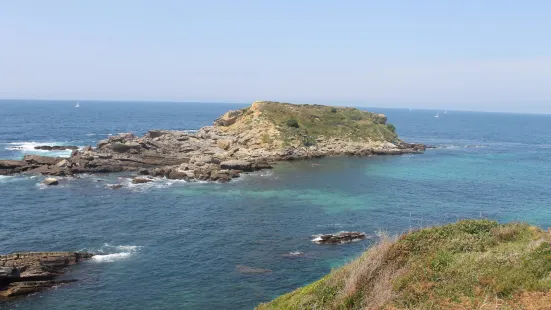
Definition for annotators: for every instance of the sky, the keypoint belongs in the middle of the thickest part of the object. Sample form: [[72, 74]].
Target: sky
[[467, 55]]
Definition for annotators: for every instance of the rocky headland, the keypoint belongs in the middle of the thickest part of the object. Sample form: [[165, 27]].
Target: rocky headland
[[239, 141], [27, 273]]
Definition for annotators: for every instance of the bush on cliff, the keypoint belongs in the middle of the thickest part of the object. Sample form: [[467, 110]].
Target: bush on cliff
[[472, 264], [292, 123]]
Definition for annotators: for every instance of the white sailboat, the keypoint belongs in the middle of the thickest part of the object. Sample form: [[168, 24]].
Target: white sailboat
[[77, 105], [437, 115]]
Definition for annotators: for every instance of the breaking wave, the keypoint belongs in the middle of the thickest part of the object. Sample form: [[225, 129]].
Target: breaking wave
[[28, 147], [111, 253]]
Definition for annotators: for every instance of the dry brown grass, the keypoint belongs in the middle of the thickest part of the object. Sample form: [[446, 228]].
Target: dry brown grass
[[466, 265]]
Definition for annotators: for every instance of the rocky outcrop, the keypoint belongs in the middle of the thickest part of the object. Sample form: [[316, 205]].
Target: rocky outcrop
[[340, 237], [55, 147], [240, 141], [139, 180], [26, 273], [50, 181]]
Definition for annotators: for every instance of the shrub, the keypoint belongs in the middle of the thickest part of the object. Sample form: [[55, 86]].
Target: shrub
[[333, 110], [391, 127], [292, 123], [308, 141]]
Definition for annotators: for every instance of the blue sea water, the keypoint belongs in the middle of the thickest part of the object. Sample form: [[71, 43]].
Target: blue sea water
[[176, 245]]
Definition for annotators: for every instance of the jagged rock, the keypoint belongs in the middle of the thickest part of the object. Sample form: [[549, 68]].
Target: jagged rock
[[11, 164], [236, 165], [41, 160], [341, 237], [143, 171], [261, 165], [26, 273], [63, 163], [115, 186], [55, 147], [224, 144], [120, 147], [229, 118], [50, 181]]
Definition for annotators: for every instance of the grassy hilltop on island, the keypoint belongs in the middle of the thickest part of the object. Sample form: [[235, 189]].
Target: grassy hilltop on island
[[472, 264], [278, 125]]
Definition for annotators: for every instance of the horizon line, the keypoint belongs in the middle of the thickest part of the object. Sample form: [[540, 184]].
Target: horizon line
[[250, 102]]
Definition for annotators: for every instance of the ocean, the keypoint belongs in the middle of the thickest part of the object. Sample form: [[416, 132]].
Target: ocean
[[177, 245]]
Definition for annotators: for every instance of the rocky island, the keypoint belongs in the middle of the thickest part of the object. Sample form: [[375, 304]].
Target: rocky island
[[26, 273], [244, 140]]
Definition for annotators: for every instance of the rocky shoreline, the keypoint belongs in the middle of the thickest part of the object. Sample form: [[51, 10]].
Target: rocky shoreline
[[27, 273], [239, 141]]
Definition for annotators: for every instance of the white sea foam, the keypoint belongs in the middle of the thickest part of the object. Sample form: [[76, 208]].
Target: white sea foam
[[128, 248], [7, 178], [317, 238], [111, 253], [296, 253], [27, 147], [109, 258]]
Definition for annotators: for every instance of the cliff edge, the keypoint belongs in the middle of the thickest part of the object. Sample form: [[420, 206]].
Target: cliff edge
[[472, 264]]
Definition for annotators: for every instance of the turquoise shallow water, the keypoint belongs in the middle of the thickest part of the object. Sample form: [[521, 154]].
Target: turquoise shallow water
[[176, 245]]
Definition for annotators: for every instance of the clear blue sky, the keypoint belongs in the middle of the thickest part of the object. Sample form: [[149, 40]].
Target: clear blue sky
[[475, 55]]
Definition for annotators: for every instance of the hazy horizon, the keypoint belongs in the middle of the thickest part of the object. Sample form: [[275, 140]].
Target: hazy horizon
[[468, 56], [368, 106]]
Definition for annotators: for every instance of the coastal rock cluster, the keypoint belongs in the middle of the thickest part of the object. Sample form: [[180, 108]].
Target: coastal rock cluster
[[341, 237], [239, 141], [26, 273]]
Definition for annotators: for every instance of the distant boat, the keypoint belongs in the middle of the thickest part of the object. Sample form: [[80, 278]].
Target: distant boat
[[410, 110], [446, 112], [77, 105], [437, 115]]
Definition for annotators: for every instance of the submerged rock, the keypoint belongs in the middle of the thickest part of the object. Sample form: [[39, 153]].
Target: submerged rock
[[26, 273], [341, 237], [115, 186], [236, 165], [140, 180], [251, 270]]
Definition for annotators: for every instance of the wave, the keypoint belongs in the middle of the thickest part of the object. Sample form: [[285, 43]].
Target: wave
[[109, 258], [296, 253], [110, 253], [28, 147], [9, 178], [459, 146]]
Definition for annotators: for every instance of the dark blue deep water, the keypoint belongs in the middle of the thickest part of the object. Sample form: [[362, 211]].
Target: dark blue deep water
[[172, 244]]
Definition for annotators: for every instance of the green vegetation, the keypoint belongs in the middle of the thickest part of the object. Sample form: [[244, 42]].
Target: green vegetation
[[391, 127], [296, 121], [293, 123], [472, 264]]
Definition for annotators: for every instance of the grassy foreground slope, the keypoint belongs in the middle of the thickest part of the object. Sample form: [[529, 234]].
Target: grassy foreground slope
[[472, 264]]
